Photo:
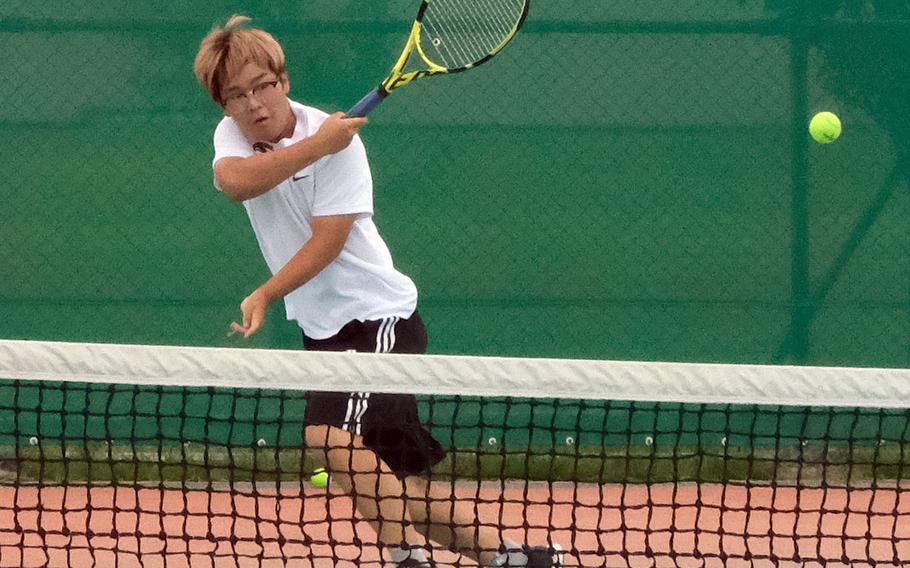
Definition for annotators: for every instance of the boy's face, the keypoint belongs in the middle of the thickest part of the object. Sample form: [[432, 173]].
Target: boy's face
[[257, 100]]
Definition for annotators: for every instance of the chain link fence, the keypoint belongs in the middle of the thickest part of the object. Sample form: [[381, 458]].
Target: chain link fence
[[629, 180]]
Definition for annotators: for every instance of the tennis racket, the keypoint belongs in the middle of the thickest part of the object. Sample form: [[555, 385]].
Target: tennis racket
[[450, 36]]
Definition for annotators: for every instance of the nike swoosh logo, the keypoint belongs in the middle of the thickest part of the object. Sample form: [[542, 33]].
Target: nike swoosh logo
[[297, 178]]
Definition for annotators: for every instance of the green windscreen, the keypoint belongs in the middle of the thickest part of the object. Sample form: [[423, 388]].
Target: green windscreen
[[628, 180]]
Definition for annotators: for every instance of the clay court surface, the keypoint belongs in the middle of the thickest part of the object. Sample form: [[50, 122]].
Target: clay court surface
[[610, 525]]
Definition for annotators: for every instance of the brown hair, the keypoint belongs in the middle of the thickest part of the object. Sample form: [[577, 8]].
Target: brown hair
[[224, 51]]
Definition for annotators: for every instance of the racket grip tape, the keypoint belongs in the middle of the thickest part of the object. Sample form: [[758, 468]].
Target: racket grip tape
[[367, 103]]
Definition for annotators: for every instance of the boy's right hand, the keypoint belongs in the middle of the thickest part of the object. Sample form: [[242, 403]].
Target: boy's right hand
[[337, 131]]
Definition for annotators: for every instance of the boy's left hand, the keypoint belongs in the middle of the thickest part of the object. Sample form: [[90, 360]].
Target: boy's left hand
[[253, 309]]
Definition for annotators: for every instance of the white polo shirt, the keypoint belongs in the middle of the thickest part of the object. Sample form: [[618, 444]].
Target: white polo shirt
[[362, 283]]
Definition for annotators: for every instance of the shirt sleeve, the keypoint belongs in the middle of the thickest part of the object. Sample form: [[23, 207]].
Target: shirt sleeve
[[229, 142], [343, 182]]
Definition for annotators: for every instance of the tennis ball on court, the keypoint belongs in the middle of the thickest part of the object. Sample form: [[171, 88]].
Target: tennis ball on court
[[320, 478], [825, 127]]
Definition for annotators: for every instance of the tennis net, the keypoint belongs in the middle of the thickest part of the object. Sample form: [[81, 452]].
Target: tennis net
[[175, 456]]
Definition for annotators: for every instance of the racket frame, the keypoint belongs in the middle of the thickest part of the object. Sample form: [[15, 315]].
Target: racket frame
[[397, 78]]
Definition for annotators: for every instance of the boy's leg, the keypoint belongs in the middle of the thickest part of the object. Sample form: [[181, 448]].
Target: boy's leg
[[449, 521], [452, 522], [378, 494], [345, 419], [394, 440]]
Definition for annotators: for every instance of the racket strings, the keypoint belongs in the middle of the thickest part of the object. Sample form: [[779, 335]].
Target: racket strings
[[457, 33]]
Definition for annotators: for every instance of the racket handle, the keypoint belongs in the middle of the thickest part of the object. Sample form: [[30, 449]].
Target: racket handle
[[367, 103]]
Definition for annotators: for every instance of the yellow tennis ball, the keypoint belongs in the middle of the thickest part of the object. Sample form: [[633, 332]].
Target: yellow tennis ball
[[825, 127], [320, 478]]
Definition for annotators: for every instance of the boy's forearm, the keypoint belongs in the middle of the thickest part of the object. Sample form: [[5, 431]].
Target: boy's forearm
[[309, 261], [246, 178], [298, 271]]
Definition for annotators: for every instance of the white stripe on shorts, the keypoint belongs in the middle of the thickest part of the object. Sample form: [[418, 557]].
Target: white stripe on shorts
[[358, 402], [385, 335]]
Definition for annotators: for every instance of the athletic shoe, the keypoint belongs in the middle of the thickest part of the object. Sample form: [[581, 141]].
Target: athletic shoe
[[543, 556], [529, 557]]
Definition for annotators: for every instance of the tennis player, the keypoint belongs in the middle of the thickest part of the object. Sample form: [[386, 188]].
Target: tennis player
[[304, 180]]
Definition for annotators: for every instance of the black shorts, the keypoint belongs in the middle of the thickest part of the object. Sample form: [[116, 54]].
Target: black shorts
[[388, 423]]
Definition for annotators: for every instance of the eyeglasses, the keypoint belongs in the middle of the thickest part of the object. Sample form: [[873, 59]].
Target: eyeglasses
[[240, 102]]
